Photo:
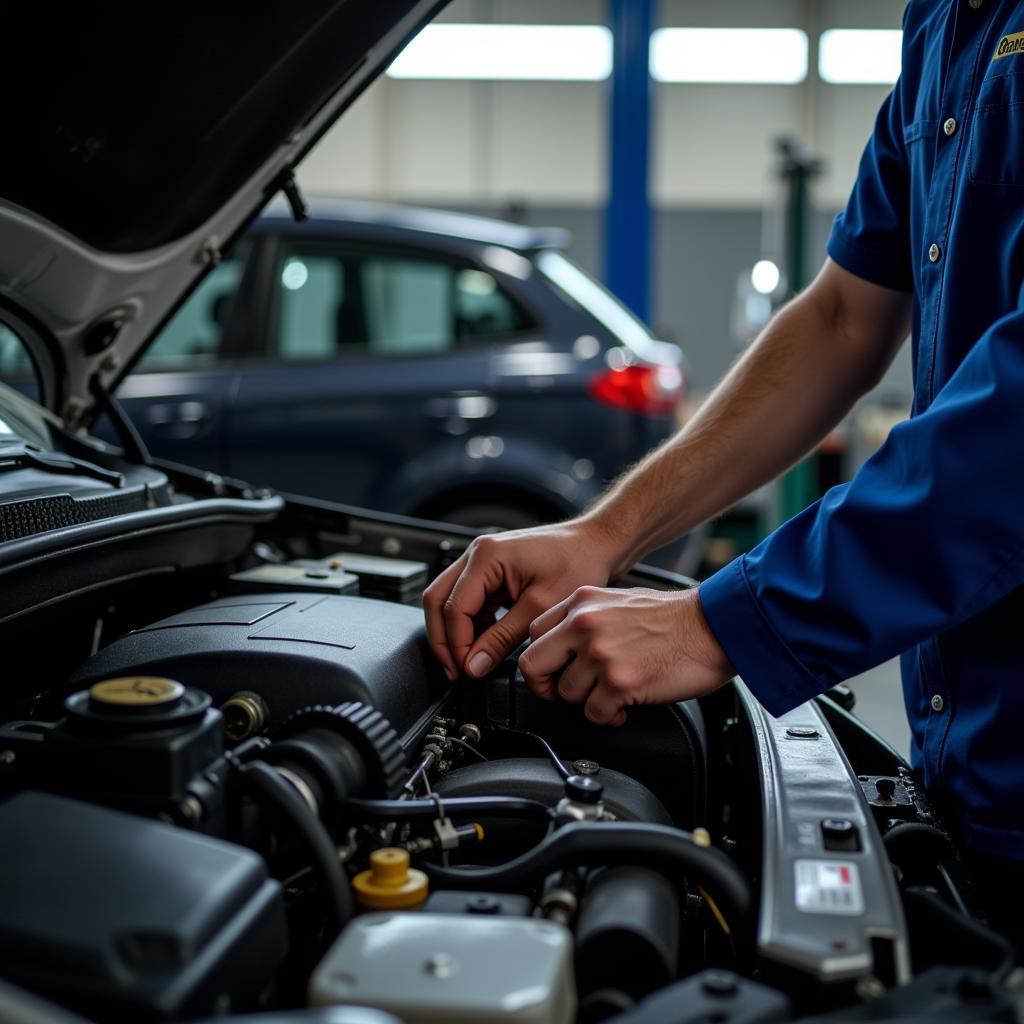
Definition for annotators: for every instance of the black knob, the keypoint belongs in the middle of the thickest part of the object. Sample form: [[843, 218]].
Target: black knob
[[584, 789], [885, 788], [837, 828]]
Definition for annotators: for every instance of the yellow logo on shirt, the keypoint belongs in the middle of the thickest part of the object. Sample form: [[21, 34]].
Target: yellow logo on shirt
[[1009, 45]]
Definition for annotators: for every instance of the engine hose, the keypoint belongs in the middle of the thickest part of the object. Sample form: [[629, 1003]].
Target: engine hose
[[606, 844], [934, 914], [454, 807], [270, 790], [910, 833]]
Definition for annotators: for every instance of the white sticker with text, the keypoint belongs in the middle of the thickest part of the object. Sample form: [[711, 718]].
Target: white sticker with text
[[828, 887]]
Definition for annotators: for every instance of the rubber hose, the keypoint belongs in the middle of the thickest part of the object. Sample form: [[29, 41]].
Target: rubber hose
[[1003, 952], [608, 843], [454, 807], [910, 831], [267, 787]]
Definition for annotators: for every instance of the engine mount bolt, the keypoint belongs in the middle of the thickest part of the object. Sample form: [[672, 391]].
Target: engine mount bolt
[[472, 734], [802, 732], [190, 809], [584, 766], [7, 758]]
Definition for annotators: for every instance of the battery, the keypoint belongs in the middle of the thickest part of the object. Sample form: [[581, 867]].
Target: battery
[[302, 574], [391, 579]]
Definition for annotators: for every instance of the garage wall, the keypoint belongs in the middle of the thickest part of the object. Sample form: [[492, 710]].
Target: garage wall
[[539, 150], [546, 142]]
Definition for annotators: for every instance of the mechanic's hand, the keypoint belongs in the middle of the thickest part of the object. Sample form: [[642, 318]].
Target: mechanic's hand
[[614, 648], [525, 571]]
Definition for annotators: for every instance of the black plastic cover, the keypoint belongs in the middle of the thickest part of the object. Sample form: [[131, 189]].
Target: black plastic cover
[[215, 90], [292, 649], [47, 489], [127, 918]]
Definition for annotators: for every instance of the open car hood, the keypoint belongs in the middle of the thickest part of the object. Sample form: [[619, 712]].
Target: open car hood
[[141, 140]]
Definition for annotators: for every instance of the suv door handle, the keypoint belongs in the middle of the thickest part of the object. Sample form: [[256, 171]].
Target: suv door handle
[[463, 407]]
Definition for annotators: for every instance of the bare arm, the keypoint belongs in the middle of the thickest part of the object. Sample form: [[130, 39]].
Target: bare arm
[[797, 381], [803, 374]]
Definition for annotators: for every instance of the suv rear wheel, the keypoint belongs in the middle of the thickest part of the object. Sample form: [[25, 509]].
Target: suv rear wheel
[[482, 515]]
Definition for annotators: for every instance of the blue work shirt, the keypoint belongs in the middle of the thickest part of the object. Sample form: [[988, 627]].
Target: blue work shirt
[[922, 553]]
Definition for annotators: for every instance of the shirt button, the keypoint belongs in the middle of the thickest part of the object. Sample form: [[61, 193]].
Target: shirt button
[[938, 703], [949, 126], [934, 252]]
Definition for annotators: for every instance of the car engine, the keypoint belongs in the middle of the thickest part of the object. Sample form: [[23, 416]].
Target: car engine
[[253, 790]]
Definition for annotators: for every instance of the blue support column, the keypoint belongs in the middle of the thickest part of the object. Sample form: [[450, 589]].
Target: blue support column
[[627, 238]]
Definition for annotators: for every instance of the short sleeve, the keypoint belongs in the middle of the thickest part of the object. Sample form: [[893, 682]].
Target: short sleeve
[[871, 237]]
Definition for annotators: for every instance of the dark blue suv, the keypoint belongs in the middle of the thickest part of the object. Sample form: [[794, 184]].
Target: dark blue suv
[[419, 362]]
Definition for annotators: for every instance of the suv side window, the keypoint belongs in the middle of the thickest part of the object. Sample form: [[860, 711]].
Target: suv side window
[[340, 300], [194, 335]]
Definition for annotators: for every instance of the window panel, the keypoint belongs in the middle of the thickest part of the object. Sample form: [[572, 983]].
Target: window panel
[[195, 333], [339, 300]]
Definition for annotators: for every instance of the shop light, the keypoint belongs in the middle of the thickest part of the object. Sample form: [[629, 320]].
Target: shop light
[[848, 56], [776, 56], [579, 53], [765, 277]]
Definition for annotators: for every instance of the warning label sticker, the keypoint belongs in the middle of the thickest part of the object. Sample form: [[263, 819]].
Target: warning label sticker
[[828, 887]]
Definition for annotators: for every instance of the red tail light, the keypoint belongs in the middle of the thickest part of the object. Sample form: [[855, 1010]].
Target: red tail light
[[653, 390]]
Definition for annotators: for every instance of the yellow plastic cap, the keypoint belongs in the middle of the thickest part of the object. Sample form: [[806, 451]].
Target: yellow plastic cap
[[390, 884], [137, 691]]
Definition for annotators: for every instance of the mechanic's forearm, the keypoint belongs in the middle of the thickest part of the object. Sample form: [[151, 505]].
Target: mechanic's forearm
[[792, 386]]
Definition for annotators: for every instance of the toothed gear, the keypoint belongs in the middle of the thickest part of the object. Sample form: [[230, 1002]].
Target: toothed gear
[[367, 730]]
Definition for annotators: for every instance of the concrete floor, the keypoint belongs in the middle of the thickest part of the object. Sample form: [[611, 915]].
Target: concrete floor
[[880, 704]]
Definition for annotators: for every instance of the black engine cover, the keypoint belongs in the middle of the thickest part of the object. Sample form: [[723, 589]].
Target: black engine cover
[[291, 649]]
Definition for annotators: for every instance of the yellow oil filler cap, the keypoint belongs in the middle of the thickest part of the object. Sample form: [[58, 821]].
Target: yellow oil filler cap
[[390, 884], [137, 693]]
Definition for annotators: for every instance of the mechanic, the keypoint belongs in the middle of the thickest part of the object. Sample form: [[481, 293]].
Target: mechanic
[[921, 554]]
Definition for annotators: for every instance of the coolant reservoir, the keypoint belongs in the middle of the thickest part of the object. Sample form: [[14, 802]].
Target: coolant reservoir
[[451, 969]]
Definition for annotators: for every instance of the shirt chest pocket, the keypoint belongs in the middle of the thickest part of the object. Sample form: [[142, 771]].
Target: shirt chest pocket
[[997, 134]]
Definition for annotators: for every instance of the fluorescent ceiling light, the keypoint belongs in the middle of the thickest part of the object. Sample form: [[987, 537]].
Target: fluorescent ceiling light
[[849, 56], [581, 53], [742, 55]]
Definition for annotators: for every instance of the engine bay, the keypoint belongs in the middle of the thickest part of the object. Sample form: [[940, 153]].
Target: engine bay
[[246, 786]]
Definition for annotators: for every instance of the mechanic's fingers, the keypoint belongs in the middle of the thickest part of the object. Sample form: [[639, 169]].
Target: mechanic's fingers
[[576, 681], [551, 618], [604, 707], [434, 598], [546, 657], [499, 640], [470, 593], [545, 687]]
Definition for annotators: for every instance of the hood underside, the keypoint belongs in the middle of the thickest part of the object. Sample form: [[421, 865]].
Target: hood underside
[[142, 138]]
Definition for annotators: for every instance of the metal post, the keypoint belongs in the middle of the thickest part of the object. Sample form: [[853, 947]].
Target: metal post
[[627, 242], [799, 487]]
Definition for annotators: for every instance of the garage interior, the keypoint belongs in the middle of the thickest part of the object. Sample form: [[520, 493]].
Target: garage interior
[[538, 152], [402, 623]]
